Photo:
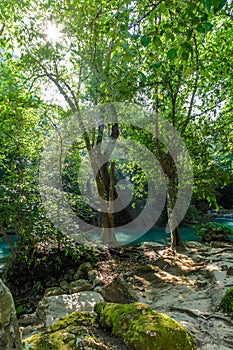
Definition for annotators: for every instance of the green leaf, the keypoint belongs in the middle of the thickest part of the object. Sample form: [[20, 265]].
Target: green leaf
[[222, 4], [170, 36], [125, 46], [185, 55], [143, 77], [186, 45], [134, 36], [201, 28], [145, 40], [195, 20], [208, 26], [157, 42], [207, 4], [218, 5], [204, 17], [172, 54], [157, 65]]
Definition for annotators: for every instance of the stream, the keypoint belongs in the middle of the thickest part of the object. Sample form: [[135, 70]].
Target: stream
[[157, 234]]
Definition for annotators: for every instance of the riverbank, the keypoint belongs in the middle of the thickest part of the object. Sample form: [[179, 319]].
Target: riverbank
[[187, 286]]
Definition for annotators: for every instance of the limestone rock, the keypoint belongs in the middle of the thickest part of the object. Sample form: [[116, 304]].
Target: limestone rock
[[75, 331], [95, 277], [53, 291], [79, 286], [83, 271], [230, 271], [64, 286], [142, 328], [9, 331], [118, 291], [51, 308], [66, 333]]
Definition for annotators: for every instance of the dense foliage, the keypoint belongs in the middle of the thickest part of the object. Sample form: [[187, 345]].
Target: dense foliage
[[58, 57]]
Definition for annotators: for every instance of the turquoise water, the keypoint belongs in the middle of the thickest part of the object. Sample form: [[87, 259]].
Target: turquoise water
[[159, 234], [153, 235], [4, 246]]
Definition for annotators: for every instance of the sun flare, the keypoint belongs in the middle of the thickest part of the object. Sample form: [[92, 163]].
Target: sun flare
[[53, 33]]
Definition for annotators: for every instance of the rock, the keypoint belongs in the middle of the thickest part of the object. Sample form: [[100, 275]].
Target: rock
[[53, 291], [230, 271], [76, 331], [69, 275], [98, 289], [79, 286], [142, 269], [66, 333], [83, 271], [142, 328], [51, 308], [95, 277], [9, 331], [64, 286], [118, 291], [28, 319]]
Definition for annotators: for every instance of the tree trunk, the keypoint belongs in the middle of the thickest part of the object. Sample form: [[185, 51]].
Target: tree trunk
[[176, 240], [108, 234]]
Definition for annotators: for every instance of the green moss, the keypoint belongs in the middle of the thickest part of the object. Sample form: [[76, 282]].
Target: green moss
[[62, 334], [143, 328], [146, 268], [226, 304], [75, 319], [137, 324]]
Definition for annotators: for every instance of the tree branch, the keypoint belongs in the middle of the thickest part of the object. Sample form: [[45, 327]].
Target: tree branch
[[2, 28], [194, 89]]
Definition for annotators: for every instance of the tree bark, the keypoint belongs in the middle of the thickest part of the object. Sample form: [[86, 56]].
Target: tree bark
[[176, 240]]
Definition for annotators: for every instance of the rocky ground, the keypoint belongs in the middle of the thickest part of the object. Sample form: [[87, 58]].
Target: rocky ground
[[187, 286]]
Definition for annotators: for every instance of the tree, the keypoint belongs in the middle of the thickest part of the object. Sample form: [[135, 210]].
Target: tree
[[162, 55]]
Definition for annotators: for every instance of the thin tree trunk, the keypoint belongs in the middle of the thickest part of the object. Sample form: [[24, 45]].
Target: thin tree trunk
[[108, 235], [176, 240]]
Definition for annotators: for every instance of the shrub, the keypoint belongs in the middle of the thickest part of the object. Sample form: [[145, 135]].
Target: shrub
[[226, 304], [211, 232]]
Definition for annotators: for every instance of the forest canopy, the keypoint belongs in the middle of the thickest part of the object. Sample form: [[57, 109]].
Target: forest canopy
[[173, 59]]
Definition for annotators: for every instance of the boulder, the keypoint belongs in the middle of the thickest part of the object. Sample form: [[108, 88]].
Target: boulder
[[52, 308], [95, 277], [118, 291], [70, 332], [83, 271], [9, 331], [53, 291], [142, 328], [79, 286], [136, 325], [64, 285]]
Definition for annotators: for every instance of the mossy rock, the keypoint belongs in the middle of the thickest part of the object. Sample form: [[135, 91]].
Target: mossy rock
[[64, 334], [145, 269], [226, 304], [142, 328]]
